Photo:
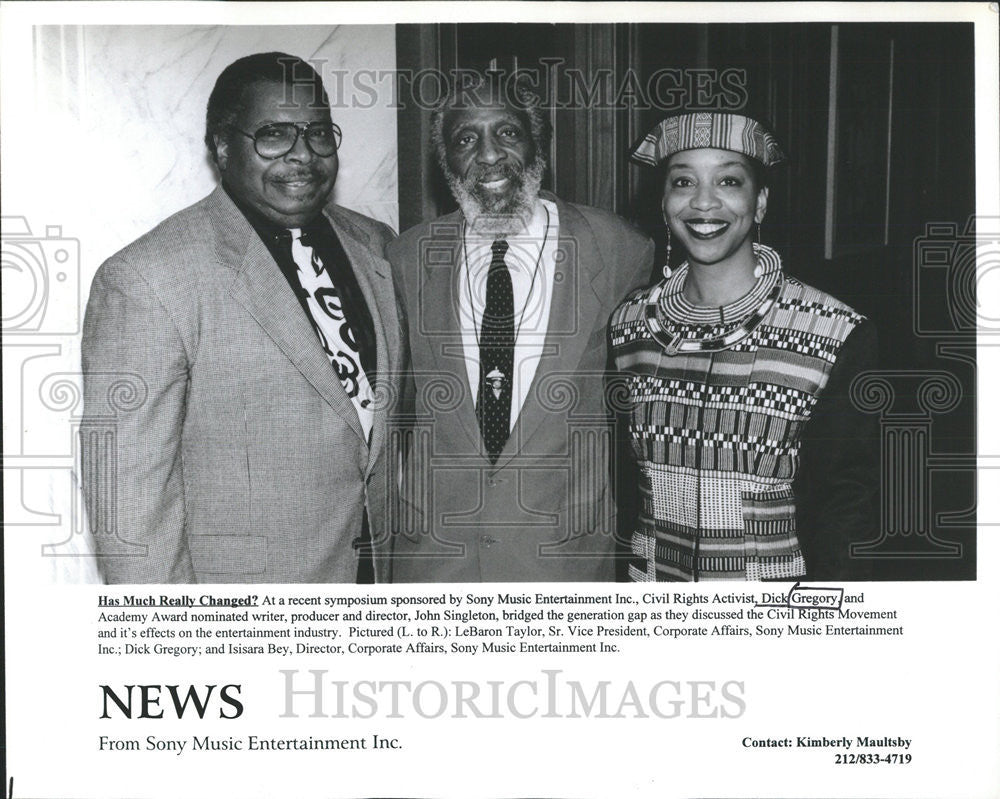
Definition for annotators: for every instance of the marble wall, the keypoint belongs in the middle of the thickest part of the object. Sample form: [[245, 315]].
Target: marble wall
[[129, 104]]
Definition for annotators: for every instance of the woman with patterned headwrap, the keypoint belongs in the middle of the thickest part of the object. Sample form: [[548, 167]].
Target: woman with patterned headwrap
[[754, 463]]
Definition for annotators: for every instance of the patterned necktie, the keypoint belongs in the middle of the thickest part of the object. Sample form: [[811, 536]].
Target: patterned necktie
[[330, 323], [496, 355]]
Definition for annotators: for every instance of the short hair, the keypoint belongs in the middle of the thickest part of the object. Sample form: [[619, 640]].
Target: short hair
[[516, 94], [227, 98]]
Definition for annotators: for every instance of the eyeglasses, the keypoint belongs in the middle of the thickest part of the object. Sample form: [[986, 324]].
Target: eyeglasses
[[279, 138]]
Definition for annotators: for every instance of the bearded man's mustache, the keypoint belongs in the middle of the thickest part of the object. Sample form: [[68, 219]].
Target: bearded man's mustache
[[472, 184], [495, 173]]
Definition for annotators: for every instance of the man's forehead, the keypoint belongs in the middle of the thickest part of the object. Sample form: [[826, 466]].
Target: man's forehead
[[271, 98], [479, 114]]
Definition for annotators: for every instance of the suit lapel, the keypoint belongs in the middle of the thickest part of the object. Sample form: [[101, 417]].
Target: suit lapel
[[261, 288], [373, 275], [579, 283], [438, 307]]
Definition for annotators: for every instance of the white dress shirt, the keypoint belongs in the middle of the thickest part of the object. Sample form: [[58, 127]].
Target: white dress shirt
[[530, 260]]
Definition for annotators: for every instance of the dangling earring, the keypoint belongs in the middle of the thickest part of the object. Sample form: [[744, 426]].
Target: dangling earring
[[667, 271], [758, 270]]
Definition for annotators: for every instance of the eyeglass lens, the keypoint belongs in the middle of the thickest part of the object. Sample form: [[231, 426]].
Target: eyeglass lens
[[274, 141]]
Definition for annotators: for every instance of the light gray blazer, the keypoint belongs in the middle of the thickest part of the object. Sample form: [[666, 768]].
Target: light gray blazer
[[544, 511], [218, 443]]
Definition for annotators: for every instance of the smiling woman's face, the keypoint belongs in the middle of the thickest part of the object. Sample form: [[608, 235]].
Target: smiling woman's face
[[711, 202]]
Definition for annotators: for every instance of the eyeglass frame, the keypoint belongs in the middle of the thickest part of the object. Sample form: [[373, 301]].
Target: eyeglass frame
[[300, 128]]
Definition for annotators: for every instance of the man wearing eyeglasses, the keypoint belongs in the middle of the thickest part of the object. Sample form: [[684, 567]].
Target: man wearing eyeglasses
[[257, 331]]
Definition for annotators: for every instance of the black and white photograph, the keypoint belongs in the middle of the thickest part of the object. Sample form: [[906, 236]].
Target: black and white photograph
[[353, 353]]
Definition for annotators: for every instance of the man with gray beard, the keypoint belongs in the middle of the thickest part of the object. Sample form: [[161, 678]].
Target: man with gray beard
[[507, 476]]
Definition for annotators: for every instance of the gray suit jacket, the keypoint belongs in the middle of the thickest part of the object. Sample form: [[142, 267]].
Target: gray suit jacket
[[219, 444], [544, 511]]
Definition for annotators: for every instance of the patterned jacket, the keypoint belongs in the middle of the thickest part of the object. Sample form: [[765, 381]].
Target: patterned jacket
[[722, 402]]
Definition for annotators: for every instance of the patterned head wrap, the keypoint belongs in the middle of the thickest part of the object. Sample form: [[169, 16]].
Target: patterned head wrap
[[717, 130]]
